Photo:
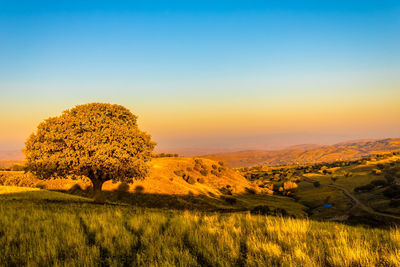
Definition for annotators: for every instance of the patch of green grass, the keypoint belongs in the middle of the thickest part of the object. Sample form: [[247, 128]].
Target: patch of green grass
[[316, 197]]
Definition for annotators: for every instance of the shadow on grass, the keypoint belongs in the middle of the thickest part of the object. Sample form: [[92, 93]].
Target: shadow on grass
[[256, 204], [163, 201]]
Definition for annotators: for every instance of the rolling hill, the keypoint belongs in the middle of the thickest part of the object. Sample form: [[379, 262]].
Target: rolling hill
[[171, 176], [302, 154]]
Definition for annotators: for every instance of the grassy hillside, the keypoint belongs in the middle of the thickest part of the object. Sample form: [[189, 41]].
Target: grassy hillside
[[51, 229], [176, 183], [362, 191], [308, 154]]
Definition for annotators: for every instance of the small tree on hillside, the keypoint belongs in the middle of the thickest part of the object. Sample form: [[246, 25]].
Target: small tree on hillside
[[99, 141]]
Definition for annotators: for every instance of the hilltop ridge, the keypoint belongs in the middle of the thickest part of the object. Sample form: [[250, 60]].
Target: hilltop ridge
[[302, 154]]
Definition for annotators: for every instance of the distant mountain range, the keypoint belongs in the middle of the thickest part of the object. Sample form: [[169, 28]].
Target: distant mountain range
[[11, 155], [301, 154], [306, 153]]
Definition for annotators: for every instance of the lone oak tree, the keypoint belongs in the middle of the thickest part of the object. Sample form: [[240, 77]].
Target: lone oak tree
[[99, 141]]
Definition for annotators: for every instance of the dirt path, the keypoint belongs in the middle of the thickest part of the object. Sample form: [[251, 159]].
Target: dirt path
[[355, 203], [358, 203]]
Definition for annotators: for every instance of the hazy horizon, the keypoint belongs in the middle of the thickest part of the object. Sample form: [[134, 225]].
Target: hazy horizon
[[204, 75]]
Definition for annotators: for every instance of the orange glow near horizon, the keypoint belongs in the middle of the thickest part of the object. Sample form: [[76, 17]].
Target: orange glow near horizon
[[236, 116]]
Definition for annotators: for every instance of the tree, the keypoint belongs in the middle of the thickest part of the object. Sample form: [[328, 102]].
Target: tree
[[100, 141]]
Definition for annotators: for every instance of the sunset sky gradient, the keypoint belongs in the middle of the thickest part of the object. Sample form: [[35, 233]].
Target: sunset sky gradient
[[220, 76]]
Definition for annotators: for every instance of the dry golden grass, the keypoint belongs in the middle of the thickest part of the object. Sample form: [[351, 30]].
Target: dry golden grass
[[161, 179], [35, 230], [15, 189]]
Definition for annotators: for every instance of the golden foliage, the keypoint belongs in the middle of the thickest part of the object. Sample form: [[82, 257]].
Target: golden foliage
[[99, 141], [289, 185]]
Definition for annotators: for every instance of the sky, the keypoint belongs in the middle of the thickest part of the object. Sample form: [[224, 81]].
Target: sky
[[206, 75]]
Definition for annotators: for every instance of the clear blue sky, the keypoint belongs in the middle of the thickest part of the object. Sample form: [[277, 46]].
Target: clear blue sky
[[175, 62]]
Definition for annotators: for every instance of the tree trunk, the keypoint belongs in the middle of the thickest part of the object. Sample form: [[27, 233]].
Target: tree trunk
[[97, 195]]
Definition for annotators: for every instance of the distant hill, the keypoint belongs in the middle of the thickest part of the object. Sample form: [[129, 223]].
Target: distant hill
[[10, 158], [12, 155], [308, 153]]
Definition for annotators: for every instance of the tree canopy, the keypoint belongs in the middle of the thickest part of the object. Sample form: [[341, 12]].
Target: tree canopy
[[100, 141]]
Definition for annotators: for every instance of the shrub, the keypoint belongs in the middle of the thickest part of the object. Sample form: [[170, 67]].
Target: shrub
[[289, 185], [364, 188], [201, 180], [380, 166], [230, 200], [214, 166], [250, 191], [17, 168], [189, 169], [123, 187], [197, 167], [203, 172], [40, 186], [165, 155], [191, 180], [226, 191], [376, 172], [379, 182], [139, 189], [75, 189], [280, 212], [316, 184], [327, 171], [221, 169], [348, 174], [179, 173], [221, 163], [261, 210], [389, 177], [214, 172], [395, 203], [392, 192], [18, 179]]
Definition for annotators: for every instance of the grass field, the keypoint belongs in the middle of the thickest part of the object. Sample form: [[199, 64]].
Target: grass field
[[44, 228]]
